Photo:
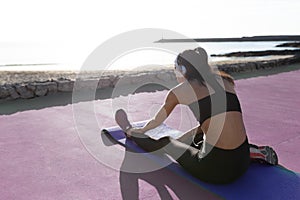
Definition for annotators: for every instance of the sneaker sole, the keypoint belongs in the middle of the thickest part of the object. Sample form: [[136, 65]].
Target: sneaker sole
[[122, 120], [264, 154], [270, 155]]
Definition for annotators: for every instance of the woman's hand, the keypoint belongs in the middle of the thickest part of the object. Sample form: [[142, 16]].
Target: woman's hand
[[135, 130]]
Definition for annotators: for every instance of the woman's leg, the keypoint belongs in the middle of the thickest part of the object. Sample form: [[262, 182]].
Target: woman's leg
[[176, 149], [147, 143], [183, 153]]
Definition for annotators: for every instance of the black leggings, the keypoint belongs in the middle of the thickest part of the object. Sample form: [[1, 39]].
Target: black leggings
[[208, 163]]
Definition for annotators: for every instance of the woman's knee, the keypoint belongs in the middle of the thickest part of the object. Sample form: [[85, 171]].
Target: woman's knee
[[165, 140]]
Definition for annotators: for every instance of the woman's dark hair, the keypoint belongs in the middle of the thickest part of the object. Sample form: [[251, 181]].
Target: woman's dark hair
[[197, 68]]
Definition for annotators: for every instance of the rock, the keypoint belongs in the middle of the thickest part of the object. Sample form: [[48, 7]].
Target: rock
[[251, 66], [8, 98], [272, 64], [3, 92], [41, 92], [265, 65], [65, 85], [114, 80], [243, 67], [41, 89], [140, 78], [31, 87], [12, 92], [24, 92], [52, 87], [104, 83], [90, 84], [234, 68]]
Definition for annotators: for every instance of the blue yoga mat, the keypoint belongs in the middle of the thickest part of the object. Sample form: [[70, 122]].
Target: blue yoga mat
[[259, 182]]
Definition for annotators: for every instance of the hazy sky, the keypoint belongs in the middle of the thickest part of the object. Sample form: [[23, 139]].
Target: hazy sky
[[59, 20], [88, 23]]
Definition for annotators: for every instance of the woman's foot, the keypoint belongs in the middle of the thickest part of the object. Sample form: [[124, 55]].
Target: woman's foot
[[122, 120], [263, 154]]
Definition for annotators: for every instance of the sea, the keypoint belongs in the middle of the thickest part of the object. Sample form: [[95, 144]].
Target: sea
[[57, 57]]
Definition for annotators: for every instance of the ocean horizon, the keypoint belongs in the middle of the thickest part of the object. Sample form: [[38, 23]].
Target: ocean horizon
[[53, 57]]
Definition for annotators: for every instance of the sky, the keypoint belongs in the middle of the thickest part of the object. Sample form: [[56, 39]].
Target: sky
[[83, 25]]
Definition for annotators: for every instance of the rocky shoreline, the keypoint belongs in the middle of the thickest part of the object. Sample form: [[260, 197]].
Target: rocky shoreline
[[259, 53], [27, 85], [258, 65], [289, 44]]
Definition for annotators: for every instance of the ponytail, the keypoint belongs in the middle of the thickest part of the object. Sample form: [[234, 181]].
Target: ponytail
[[225, 76]]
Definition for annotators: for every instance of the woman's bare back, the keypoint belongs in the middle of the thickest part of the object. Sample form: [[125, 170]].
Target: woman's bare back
[[224, 130]]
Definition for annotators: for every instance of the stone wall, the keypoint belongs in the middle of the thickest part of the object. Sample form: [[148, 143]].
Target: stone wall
[[34, 89], [29, 90], [258, 65]]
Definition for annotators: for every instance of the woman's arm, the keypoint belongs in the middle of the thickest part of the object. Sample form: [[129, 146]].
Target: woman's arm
[[163, 113]]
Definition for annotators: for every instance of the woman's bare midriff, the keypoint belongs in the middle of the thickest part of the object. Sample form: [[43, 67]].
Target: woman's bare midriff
[[225, 131]]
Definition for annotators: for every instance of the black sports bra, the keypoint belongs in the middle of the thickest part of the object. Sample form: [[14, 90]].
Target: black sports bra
[[202, 108]]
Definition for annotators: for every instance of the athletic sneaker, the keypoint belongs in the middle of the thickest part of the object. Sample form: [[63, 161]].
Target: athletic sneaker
[[122, 120], [263, 154]]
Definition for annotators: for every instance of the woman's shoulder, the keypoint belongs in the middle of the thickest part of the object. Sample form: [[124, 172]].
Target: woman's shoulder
[[188, 92], [181, 87]]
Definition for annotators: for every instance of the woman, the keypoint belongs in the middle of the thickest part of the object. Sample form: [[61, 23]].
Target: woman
[[224, 155]]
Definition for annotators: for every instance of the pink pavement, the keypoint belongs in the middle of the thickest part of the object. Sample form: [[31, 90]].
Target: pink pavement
[[42, 156]]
